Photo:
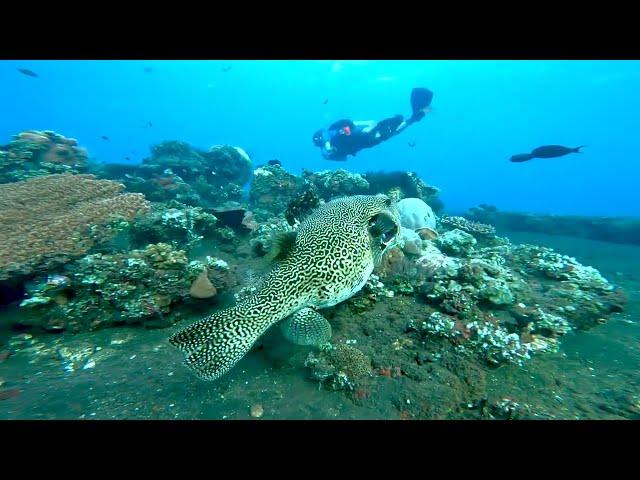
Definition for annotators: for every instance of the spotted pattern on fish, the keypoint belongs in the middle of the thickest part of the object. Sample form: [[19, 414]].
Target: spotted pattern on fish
[[333, 255]]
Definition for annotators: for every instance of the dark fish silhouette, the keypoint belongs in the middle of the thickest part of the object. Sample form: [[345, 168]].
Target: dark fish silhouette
[[105, 138], [546, 151], [411, 144], [521, 157], [275, 161], [127, 158], [7, 394], [28, 73], [552, 151], [227, 68], [148, 69], [326, 100]]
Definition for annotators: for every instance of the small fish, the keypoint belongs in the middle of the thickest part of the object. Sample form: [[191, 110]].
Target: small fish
[[326, 100], [546, 151], [105, 138], [521, 157], [148, 69], [127, 158], [411, 144], [227, 68], [27, 72], [149, 124], [275, 161]]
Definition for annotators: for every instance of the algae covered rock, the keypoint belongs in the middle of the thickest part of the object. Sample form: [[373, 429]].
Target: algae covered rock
[[456, 242], [339, 367], [409, 241]]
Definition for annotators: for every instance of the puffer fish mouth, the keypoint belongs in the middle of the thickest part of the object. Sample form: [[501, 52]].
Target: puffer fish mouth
[[388, 237], [387, 228]]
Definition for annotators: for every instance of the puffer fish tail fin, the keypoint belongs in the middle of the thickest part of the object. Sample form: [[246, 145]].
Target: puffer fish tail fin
[[213, 345], [577, 149]]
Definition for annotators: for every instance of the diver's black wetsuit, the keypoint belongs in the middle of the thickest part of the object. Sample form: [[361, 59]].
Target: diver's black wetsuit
[[344, 137]]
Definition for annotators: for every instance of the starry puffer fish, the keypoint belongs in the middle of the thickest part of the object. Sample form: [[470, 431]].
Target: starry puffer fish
[[324, 262]]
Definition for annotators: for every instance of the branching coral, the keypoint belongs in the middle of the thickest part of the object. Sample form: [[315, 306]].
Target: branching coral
[[467, 225], [48, 220]]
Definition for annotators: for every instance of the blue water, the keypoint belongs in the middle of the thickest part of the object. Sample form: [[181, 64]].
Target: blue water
[[484, 111]]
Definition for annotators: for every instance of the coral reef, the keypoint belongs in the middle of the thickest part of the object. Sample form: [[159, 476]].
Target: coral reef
[[468, 226], [439, 311], [48, 220], [33, 154], [272, 188], [504, 302], [217, 166], [140, 286], [336, 183], [177, 171], [174, 223], [405, 185]]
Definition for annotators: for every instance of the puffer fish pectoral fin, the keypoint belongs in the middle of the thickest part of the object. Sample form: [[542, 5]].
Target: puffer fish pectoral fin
[[213, 345], [306, 327], [282, 246]]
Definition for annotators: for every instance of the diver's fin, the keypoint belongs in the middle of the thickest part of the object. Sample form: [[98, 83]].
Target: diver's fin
[[213, 345], [420, 99], [380, 225], [577, 149], [282, 246], [306, 327]]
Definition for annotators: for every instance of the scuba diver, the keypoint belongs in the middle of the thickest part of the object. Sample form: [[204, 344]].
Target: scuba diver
[[346, 137]]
